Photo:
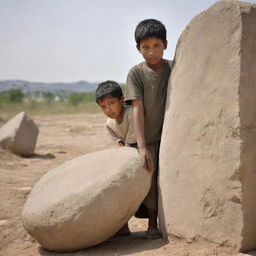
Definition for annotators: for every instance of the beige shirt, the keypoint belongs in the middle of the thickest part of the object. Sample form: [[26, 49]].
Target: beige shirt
[[150, 87], [125, 130]]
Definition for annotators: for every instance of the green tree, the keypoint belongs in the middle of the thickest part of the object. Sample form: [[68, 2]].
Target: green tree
[[15, 95], [75, 98], [11, 96], [48, 97]]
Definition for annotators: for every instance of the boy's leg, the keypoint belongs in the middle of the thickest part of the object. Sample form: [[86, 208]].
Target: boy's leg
[[152, 197], [152, 221], [153, 231]]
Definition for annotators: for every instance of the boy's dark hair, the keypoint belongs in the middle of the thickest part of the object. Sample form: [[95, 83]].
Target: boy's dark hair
[[108, 88], [149, 28]]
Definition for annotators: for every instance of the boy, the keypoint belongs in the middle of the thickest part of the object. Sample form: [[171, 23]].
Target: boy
[[146, 88], [119, 124]]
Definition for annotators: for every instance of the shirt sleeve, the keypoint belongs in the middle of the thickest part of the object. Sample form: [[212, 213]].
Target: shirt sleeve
[[112, 134], [134, 85]]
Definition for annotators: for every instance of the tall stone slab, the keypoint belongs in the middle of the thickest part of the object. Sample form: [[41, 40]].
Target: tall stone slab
[[207, 180]]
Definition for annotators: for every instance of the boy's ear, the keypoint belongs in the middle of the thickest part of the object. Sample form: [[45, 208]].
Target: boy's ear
[[165, 44], [122, 100], [138, 47]]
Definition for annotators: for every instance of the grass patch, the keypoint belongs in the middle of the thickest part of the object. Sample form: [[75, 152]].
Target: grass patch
[[33, 108]]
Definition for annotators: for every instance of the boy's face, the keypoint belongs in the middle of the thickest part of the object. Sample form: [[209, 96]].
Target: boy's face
[[112, 107], [152, 50]]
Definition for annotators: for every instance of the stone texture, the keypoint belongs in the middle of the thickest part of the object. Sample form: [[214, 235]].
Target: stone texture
[[19, 135], [86, 200], [208, 152], [3, 223]]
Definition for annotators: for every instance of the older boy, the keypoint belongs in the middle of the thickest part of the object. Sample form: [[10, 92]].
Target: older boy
[[146, 88]]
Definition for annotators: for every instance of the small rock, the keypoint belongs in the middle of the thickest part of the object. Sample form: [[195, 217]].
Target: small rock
[[189, 240], [3, 223], [212, 254], [25, 190], [9, 164], [62, 152], [27, 244], [50, 155], [19, 135]]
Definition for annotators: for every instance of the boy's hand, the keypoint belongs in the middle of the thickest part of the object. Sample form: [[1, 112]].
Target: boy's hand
[[146, 157], [121, 144]]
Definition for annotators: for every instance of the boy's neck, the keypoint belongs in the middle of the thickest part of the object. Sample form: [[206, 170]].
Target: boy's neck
[[156, 67], [120, 118]]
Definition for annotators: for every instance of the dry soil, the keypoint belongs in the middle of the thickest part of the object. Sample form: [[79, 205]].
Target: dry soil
[[61, 138]]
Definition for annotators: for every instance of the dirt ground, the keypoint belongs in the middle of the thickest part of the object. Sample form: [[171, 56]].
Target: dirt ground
[[61, 138]]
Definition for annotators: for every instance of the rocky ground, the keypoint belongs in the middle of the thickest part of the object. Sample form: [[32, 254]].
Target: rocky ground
[[61, 138]]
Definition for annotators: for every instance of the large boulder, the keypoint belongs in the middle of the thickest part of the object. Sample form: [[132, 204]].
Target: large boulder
[[19, 135], [208, 151], [86, 200]]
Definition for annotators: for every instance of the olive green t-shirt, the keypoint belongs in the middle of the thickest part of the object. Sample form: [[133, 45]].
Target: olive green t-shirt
[[150, 87]]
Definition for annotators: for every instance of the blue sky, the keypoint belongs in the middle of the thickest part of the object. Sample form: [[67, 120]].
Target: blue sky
[[72, 40]]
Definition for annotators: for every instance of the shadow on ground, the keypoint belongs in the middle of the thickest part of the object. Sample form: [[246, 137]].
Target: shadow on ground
[[251, 253], [134, 243], [43, 156]]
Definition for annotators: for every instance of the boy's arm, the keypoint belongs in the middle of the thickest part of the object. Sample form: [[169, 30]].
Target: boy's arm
[[138, 115], [114, 136]]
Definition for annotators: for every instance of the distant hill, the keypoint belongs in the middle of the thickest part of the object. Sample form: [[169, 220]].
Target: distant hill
[[26, 86]]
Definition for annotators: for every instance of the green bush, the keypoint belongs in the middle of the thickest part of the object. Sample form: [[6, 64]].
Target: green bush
[[11, 96], [77, 98], [48, 97], [4, 98], [16, 96]]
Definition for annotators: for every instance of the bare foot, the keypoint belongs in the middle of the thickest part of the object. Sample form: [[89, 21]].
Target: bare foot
[[153, 233]]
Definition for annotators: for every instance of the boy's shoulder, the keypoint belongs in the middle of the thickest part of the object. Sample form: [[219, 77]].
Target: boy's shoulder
[[141, 67], [140, 77], [137, 67]]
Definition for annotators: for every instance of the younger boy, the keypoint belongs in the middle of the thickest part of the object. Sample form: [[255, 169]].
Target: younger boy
[[146, 88], [119, 124]]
